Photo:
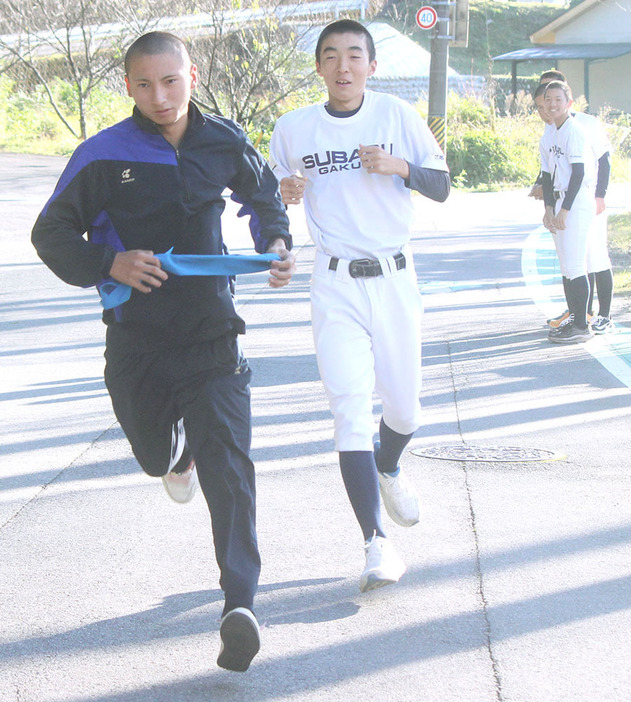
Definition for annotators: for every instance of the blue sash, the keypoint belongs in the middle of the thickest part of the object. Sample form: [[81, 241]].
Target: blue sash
[[114, 293]]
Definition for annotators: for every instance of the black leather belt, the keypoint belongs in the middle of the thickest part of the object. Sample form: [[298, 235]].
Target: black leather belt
[[558, 194], [366, 267]]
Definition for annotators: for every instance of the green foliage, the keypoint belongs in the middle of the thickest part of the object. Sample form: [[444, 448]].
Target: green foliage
[[484, 151], [67, 96], [260, 132], [622, 282], [26, 119], [499, 27], [619, 228], [470, 111], [106, 108], [619, 132], [480, 156], [619, 235], [261, 137], [28, 122]]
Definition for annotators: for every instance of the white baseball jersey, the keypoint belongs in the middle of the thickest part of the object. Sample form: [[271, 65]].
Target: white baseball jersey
[[595, 132], [351, 213], [562, 146]]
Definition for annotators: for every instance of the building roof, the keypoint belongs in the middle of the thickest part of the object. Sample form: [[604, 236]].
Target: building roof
[[566, 51]]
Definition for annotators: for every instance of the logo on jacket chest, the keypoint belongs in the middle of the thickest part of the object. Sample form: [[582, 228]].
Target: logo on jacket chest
[[333, 161], [126, 176]]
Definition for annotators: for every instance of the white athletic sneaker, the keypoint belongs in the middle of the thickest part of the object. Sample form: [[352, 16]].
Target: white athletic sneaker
[[181, 486], [399, 498], [602, 325], [384, 566], [240, 640]]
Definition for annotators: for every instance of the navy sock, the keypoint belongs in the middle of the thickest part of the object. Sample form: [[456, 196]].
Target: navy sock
[[578, 294], [359, 474], [592, 285], [392, 446], [604, 288], [566, 290]]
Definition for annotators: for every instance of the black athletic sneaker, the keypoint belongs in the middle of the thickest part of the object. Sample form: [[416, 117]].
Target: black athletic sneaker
[[602, 325], [569, 334], [240, 640]]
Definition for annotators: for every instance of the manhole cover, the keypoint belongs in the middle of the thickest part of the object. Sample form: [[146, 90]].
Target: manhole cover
[[497, 454]]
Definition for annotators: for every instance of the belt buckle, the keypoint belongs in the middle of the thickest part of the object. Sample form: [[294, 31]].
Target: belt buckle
[[364, 268]]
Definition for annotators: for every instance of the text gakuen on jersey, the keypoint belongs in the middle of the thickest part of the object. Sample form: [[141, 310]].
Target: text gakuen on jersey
[[332, 161]]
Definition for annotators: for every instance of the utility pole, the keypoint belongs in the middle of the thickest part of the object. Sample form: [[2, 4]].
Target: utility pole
[[439, 62], [451, 28]]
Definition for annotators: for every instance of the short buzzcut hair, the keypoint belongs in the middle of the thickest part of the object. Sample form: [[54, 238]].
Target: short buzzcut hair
[[154, 43], [346, 26], [558, 85], [553, 74]]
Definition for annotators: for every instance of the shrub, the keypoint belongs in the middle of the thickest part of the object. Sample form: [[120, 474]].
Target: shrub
[[487, 151], [467, 110], [28, 122], [480, 157], [28, 119]]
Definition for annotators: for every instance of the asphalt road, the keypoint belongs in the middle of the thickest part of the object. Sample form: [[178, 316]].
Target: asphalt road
[[519, 575]]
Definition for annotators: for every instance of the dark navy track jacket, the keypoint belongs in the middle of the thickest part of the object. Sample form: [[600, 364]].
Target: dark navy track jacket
[[128, 188]]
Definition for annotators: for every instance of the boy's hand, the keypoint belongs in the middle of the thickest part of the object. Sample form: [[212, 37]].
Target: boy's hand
[[281, 271], [548, 220], [139, 269], [375, 160], [561, 219], [292, 189], [600, 205]]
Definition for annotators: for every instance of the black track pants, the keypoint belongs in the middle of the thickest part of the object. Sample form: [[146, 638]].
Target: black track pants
[[206, 384]]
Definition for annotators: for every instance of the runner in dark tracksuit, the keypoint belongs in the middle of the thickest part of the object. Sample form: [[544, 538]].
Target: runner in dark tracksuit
[[178, 382]]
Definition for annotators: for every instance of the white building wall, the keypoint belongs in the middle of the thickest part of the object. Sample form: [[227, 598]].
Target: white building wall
[[605, 86], [573, 71], [610, 85], [608, 22]]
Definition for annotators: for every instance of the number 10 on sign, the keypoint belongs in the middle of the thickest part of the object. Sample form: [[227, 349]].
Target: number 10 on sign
[[426, 17]]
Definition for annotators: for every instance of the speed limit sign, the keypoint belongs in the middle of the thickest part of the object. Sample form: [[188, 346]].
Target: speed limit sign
[[426, 17]]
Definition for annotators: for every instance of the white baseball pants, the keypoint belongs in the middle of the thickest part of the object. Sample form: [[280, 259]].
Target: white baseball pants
[[367, 334], [572, 242]]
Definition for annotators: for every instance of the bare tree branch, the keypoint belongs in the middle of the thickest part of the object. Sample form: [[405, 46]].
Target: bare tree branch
[[251, 54]]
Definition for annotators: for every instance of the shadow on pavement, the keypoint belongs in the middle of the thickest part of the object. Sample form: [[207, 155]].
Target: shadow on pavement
[[320, 668]]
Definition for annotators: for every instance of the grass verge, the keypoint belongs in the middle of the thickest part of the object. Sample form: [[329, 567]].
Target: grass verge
[[619, 234]]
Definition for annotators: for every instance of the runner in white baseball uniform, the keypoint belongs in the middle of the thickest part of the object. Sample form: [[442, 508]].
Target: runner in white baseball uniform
[[598, 262], [355, 160], [568, 176]]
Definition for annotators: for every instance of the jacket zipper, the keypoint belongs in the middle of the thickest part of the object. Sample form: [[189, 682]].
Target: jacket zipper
[[187, 194]]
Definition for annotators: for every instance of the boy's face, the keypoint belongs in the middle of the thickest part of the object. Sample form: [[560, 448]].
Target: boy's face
[[161, 86], [557, 105], [344, 65], [541, 109]]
